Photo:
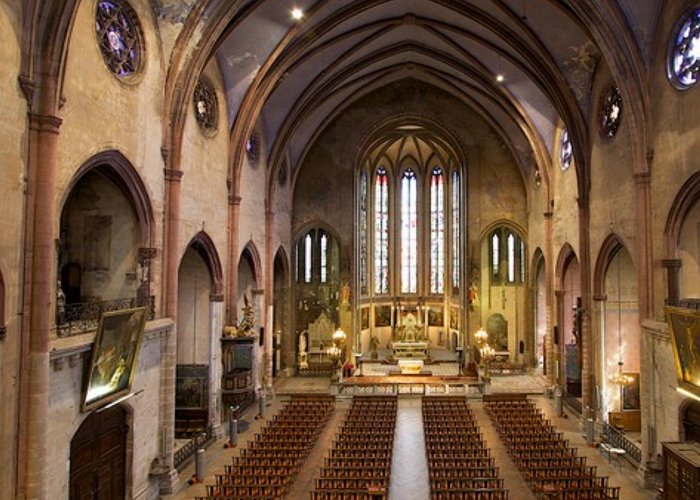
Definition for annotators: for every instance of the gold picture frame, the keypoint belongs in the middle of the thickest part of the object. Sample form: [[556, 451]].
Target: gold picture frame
[[114, 356], [684, 325]]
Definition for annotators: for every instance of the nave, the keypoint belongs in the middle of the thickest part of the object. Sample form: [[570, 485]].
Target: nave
[[413, 472]]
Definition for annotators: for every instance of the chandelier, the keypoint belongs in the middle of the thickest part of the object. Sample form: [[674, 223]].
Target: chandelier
[[620, 378]]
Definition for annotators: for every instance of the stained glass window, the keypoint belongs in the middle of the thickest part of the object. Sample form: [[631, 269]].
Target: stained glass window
[[252, 148], [206, 106], [437, 231], [409, 232], [511, 257], [363, 233], [683, 63], [495, 255], [307, 258], [567, 150], [610, 112], [119, 37], [522, 261], [324, 258], [381, 232], [456, 208]]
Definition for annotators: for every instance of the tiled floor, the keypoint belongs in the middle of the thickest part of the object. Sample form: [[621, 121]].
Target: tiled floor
[[409, 466], [409, 478]]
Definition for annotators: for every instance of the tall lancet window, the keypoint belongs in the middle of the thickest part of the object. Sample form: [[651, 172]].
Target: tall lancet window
[[511, 258], [381, 232], [307, 258], [456, 208], [409, 232], [324, 258], [363, 233], [495, 255], [437, 231]]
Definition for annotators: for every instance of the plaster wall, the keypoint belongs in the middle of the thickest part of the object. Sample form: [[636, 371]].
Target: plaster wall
[[103, 113], [675, 143], [204, 194], [65, 417], [193, 311], [565, 223], [12, 183]]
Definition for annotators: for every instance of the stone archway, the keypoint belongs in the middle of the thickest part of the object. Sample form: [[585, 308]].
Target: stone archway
[[98, 456]]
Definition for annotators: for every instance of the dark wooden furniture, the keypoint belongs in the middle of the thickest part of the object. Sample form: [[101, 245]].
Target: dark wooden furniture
[[681, 470], [237, 380]]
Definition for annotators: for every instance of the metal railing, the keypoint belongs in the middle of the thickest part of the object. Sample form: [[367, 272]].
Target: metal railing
[[184, 454], [74, 319], [617, 439]]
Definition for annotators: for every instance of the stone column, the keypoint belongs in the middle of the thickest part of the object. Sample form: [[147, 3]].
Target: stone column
[[269, 271], [600, 301], [40, 285], [558, 348], [644, 244], [587, 373], [234, 209], [549, 299], [170, 293], [216, 317]]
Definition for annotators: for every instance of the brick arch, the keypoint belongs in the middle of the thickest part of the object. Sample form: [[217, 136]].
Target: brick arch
[[206, 249], [118, 169], [566, 256]]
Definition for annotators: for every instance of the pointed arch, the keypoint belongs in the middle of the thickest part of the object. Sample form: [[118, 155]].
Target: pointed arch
[[282, 257], [113, 165], [607, 252], [252, 256], [566, 256], [535, 263], [687, 197], [205, 247]]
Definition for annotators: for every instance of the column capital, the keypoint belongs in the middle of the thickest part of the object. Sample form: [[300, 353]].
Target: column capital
[[234, 199], [3, 332], [642, 178], [672, 263], [216, 297], [600, 297], [172, 175], [548, 215]]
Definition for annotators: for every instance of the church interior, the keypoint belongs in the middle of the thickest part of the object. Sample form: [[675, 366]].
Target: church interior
[[350, 249]]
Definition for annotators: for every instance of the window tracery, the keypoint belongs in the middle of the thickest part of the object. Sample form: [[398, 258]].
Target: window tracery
[[206, 105], [610, 112], [381, 232], [119, 37], [683, 62], [409, 232], [566, 150], [437, 231]]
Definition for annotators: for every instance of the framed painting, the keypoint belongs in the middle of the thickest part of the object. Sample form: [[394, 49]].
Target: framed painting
[[630, 392], [382, 315], [454, 318], [364, 318], [436, 316], [192, 386], [114, 356], [685, 335]]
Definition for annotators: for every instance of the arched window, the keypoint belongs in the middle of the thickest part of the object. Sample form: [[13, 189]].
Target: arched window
[[683, 63], [409, 232], [363, 233], [324, 258], [507, 251], [308, 254], [456, 252], [566, 150], [381, 232], [314, 257], [437, 231]]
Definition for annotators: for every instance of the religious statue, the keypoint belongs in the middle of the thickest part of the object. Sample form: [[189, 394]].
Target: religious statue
[[373, 343], [60, 304], [246, 328], [345, 293], [473, 296], [303, 355]]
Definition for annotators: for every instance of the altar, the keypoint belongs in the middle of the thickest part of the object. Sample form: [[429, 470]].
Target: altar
[[411, 342], [408, 349]]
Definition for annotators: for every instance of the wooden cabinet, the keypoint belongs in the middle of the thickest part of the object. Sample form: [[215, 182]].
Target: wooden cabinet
[[681, 470]]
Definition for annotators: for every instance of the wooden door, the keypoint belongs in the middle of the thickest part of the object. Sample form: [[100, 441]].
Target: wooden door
[[98, 456]]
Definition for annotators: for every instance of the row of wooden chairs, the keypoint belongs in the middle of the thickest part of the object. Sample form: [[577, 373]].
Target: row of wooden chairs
[[459, 463], [268, 465], [548, 464], [359, 463]]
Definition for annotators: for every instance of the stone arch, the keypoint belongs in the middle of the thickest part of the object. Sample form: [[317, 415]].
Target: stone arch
[[205, 247], [118, 169], [608, 249], [252, 256], [566, 255], [684, 203]]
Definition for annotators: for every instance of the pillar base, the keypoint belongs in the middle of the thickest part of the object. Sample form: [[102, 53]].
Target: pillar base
[[168, 481]]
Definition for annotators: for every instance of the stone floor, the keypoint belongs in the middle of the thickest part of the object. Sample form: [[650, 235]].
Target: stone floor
[[409, 468]]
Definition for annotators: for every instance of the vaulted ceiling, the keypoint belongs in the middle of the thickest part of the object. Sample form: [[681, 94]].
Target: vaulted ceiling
[[296, 75]]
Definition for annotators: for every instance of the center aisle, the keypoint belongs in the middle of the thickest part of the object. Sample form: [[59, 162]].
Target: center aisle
[[409, 466]]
